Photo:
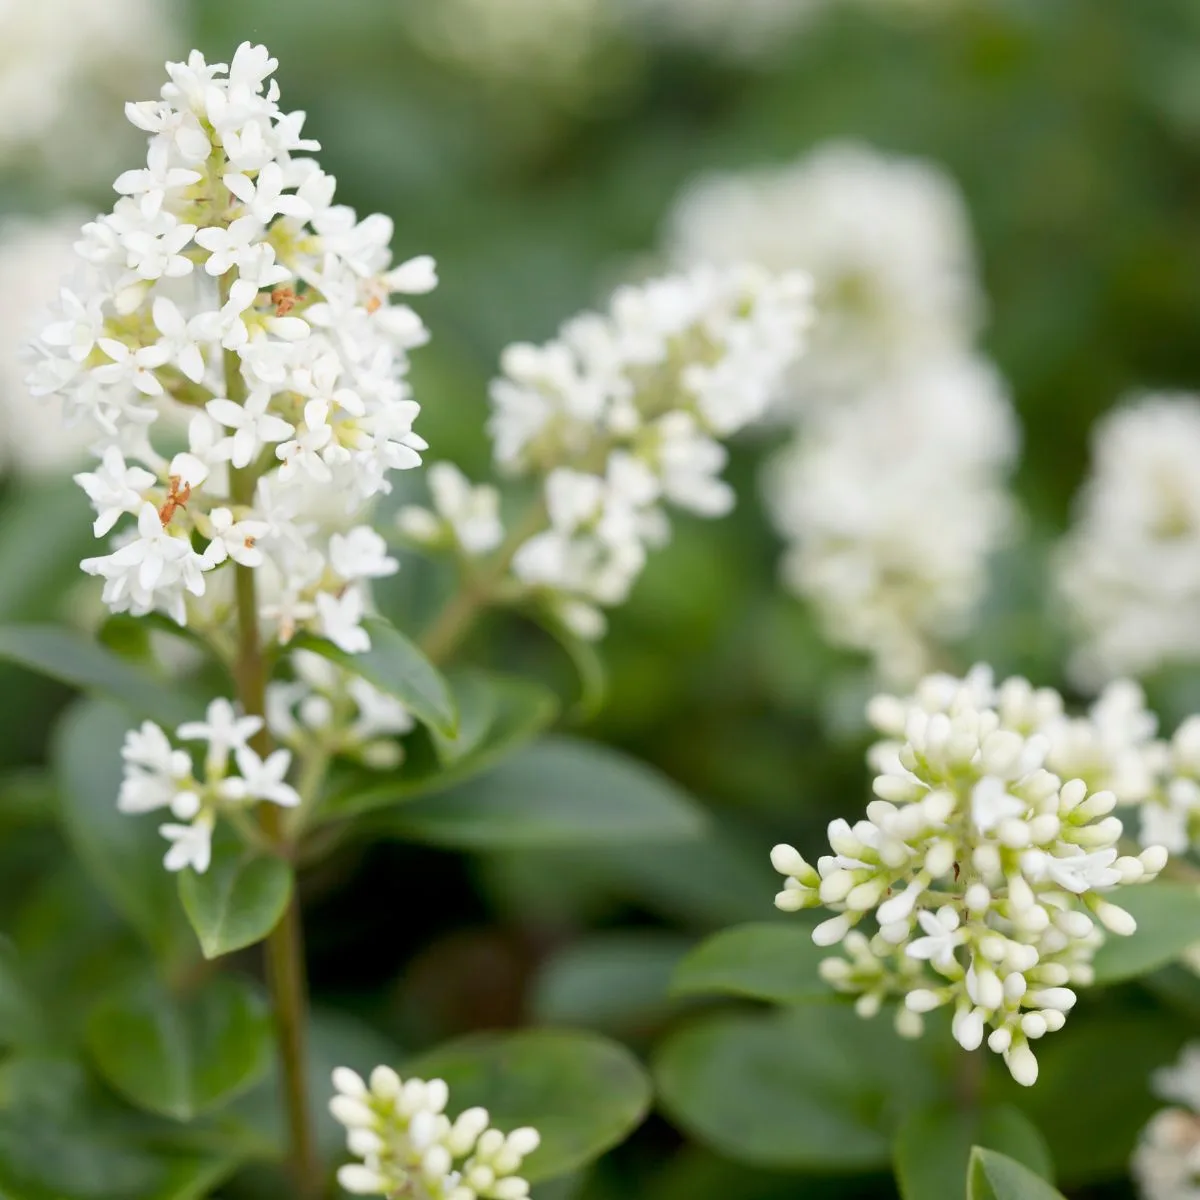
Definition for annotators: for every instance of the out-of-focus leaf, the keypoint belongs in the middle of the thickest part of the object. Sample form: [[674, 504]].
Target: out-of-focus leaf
[[1083, 1070], [122, 853], [181, 1057], [612, 981], [582, 1093], [395, 665], [521, 709], [238, 900], [813, 1088], [20, 1018], [764, 961], [75, 659], [45, 529], [1168, 922], [558, 792], [933, 1147], [477, 702], [994, 1176]]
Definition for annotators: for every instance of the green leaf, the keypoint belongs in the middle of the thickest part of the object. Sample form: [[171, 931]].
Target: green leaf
[[77, 660], [933, 1147], [521, 709], [583, 1093], [122, 853], [589, 666], [558, 792], [613, 981], [1168, 922], [238, 900], [395, 665], [179, 1057], [814, 1087], [1097, 1056], [993, 1176], [20, 1018], [764, 961], [476, 702]]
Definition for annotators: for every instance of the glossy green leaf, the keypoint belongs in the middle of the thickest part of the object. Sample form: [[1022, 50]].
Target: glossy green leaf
[[933, 1147], [558, 792], [994, 1176], [520, 710], [77, 660], [179, 1057], [476, 702], [813, 1087], [1168, 922], [122, 853], [238, 900], [765, 961], [584, 1094], [396, 666], [612, 981]]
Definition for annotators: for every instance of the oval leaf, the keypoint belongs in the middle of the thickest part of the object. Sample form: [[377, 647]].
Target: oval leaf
[[582, 1093], [812, 1088], [180, 1057], [1168, 922], [994, 1176], [933, 1147], [609, 980], [122, 853], [77, 660], [520, 708], [764, 961], [237, 901], [395, 665], [559, 792]]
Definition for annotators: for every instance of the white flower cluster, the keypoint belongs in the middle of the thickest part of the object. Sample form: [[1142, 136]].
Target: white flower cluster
[[35, 254], [891, 505], [1129, 570], [226, 281], [160, 776], [1166, 1163], [986, 872], [337, 711], [626, 411], [465, 517], [892, 495], [323, 710], [409, 1147], [886, 240], [64, 62]]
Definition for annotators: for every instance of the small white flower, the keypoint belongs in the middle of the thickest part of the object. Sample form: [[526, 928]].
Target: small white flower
[[361, 554], [114, 489], [942, 938], [263, 779], [224, 731], [191, 845], [339, 618], [253, 427]]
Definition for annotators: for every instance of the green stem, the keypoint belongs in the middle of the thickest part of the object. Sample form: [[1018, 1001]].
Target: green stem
[[284, 949], [467, 605]]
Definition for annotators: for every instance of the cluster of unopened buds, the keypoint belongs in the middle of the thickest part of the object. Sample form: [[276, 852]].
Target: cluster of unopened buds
[[410, 1148], [986, 873]]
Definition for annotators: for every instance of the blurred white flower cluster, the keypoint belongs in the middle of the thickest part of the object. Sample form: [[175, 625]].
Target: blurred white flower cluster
[[409, 1147], [35, 255], [1129, 569], [622, 414], [748, 31], [1166, 1163], [892, 496], [985, 869], [63, 63], [226, 283]]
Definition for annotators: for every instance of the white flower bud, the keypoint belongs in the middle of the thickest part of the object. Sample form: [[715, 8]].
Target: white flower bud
[[1115, 920], [922, 1000], [1022, 1064], [362, 1181], [830, 932], [1033, 1025]]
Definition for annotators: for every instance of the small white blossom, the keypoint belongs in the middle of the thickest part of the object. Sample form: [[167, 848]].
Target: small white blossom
[[1166, 1163]]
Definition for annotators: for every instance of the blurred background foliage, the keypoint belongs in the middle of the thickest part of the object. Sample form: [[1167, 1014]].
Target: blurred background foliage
[[1073, 128]]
